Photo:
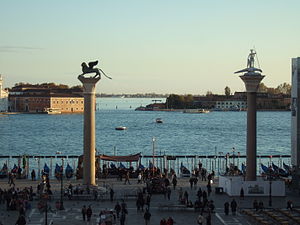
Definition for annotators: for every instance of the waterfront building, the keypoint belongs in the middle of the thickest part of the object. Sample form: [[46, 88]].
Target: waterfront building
[[35, 99], [3, 97], [295, 126], [231, 105]]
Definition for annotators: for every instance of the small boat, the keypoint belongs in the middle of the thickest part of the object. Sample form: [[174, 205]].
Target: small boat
[[141, 167], [52, 111], [113, 166], [265, 169], [279, 171], [58, 171], [184, 171], [287, 168], [159, 120], [121, 166], [4, 171], [69, 171], [121, 128], [196, 111]]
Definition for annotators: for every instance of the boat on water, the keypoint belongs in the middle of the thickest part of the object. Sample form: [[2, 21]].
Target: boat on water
[[196, 111], [159, 120], [121, 128], [52, 111], [69, 171]]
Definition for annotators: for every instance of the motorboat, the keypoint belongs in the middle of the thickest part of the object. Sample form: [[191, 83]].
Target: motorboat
[[196, 111], [121, 128], [159, 120], [52, 111]]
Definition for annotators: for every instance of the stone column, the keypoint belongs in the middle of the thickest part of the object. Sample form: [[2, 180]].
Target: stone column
[[251, 81], [89, 85]]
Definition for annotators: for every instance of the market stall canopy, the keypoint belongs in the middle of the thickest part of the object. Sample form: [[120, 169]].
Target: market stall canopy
[[128, 158]]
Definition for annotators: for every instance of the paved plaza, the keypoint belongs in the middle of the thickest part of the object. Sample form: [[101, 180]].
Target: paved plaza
[[158, 207]]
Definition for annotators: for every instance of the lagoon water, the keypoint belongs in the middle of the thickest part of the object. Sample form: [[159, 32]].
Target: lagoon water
[[179, 134]]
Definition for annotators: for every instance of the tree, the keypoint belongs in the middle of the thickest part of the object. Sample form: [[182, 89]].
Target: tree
[[262, 88], [284, 88], [209, 93], [227, 91]]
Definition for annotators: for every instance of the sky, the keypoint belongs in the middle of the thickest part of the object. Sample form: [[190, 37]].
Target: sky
[[161, 46]]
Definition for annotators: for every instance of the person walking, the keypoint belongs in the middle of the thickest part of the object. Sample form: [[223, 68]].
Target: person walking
[[255, 205], [21, 220], [127, 178], [233, 206], [289, 205], [199, 194], [174, 181], [208, 219], [33, 175], [147, 216], [208, 186], [139, 178], [118, 209], [111, 193], [83, 212], [89, 213], [200, 219], [226, 208], [242, 194], [122, 218], [169, 193], [170, 221]]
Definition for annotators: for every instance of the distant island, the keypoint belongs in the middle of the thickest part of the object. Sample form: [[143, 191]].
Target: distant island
[[60, 98], [138, 95]]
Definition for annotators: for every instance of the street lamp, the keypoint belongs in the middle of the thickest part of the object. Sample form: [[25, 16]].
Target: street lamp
[[153, 153], [219, 161], [270, 187], [233, 151], [61, 205], [238, 159]]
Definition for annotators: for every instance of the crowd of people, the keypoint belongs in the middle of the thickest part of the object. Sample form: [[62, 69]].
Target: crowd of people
[[151, 181]]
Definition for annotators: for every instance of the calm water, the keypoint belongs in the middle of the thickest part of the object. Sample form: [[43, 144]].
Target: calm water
[[181, 133]]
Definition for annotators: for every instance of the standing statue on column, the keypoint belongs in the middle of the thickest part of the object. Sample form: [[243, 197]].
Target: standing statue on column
[[90, 69], [250, 64]]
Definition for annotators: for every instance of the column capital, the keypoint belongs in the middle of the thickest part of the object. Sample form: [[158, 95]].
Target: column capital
[[89, 83], [252, 81]]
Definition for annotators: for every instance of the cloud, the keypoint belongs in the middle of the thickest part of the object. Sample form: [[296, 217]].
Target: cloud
[[8, 48]]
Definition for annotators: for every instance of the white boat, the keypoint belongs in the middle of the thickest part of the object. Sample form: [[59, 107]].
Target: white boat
[[121, 128], [159, 120], [52, 111], [196, 111]]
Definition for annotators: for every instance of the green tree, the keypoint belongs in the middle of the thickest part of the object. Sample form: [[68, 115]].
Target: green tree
[[227, 91], [209, 93], [262, 88], [284, 88]]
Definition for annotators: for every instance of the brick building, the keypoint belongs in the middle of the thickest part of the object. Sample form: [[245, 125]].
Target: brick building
[[47, 100]]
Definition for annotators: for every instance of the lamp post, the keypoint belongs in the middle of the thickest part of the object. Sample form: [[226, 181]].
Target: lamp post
[[233, 151], [226, 158], [61, 205], [238, 159], [219, 161], [153, 153], [46, 209], [270, 188]]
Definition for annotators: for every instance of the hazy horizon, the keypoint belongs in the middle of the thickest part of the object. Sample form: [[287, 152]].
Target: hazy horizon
[[180, 47]]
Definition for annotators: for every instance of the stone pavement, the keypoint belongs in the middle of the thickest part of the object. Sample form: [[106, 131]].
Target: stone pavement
[[72, 212]]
